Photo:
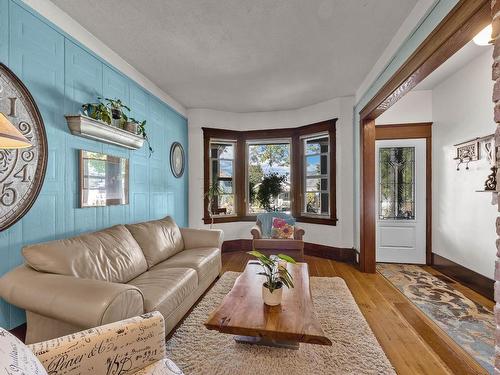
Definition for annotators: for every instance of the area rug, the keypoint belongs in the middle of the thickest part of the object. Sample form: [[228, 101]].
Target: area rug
[[197, 350], [469, 324]]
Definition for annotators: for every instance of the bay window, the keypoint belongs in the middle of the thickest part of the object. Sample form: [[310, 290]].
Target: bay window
[[288, 170]]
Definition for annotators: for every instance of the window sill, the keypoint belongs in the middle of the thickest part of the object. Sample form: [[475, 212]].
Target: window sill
[[228, 219], [317, 220], [300, 219]]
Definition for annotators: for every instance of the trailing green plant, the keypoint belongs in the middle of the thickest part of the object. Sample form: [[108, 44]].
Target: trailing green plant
[[212, 195], [276, 274], [141, 130], [114, 109], [270, 187], [98, 111], [115, 104]]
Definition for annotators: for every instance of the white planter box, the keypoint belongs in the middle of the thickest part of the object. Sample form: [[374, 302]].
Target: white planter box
[[87, 127]]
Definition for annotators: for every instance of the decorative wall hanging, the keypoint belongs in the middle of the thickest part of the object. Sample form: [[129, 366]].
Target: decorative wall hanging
[[177, 162], [466, 152], [22, 171], [489, 146]]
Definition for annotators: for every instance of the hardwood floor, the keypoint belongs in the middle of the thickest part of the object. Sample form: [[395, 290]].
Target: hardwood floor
[[411, 341]]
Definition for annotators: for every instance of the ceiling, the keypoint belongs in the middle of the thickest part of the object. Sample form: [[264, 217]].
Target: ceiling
[[456, 62], [246, 55]]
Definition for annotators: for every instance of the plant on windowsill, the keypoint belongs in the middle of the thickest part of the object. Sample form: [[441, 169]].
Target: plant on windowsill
[[276, 276], [212, 195]]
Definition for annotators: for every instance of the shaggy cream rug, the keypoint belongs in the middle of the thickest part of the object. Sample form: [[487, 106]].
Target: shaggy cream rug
[[197, 350]]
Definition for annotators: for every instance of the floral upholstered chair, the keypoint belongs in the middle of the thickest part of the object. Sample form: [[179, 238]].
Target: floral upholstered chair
[[131, 346], [277, 232]]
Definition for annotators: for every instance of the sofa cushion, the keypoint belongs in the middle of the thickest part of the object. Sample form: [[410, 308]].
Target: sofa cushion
[[159, 239], [164, 289], [202, 259], [109, 255]]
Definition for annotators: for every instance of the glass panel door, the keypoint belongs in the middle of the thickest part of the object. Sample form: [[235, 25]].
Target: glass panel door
[[396, 183]]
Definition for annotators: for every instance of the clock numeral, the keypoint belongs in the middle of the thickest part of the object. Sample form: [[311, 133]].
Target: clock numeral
[[8, 195], [23, 174], [13, 109]]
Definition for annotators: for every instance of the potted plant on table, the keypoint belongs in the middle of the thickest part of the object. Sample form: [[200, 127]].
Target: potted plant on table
[[276, 275]]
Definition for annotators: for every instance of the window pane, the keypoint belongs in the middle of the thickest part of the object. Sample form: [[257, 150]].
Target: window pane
[[324, 184], [226, 205], [324, 164], [226, 168], [313, 167], [397, 183], [316, 146], [324, 203], [226, 186], [222, 151], [313, 184], [268, 176], [313, 203]]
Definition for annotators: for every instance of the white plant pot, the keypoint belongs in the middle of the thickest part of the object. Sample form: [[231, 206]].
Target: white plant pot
[[274, 298]]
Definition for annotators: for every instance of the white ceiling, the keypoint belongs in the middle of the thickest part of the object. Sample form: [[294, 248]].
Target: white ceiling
[[246, 55], [456, 62]]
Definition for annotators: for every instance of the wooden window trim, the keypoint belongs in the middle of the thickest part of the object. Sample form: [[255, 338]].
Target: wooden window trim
[[296, 167]]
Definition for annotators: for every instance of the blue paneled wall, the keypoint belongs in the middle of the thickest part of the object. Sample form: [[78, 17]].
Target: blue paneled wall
[[61, 75]]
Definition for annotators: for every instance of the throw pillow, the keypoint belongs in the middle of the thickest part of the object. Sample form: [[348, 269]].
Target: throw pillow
[[281, 229]]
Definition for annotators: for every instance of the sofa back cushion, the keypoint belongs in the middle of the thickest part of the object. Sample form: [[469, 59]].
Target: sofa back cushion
[[159, 239], [109, 255]]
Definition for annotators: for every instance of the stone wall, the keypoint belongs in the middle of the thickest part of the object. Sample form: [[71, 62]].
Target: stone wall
[[495, 13]]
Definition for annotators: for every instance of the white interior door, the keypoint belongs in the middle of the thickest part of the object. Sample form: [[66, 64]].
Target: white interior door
[[400, 200]]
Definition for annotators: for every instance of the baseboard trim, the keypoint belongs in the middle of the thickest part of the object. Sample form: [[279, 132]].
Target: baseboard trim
[[322, 251], [471, 279]]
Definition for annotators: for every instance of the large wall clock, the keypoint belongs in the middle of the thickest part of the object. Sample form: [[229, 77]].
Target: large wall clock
[[21, 171]]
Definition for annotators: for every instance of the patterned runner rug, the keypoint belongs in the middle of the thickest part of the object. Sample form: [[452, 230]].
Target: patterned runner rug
[[469, 324], [197, 350]]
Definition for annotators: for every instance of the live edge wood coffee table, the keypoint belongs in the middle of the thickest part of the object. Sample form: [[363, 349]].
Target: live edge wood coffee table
[[243, 312]]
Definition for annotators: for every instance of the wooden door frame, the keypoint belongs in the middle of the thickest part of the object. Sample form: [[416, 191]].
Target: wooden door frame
[[464, 21], [421, 130]]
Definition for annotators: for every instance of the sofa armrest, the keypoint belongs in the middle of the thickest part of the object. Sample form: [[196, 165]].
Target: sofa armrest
[[194, 238], [298, 233], [122, 347], [82, 302], [256, 232]]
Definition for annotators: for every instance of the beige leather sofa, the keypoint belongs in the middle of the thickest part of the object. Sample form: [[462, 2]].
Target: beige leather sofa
[[117, 273]]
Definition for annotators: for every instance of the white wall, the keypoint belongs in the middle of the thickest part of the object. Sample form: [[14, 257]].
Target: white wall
[[463, 220], [340, 235], [416, 106]]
